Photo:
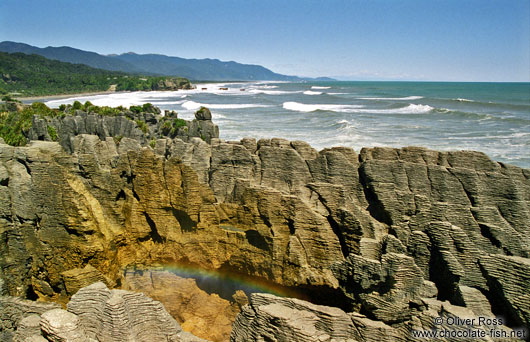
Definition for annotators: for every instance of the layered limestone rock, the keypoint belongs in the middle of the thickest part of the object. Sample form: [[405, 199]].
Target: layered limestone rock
[[204, 315], [377, 232], [142, 127], [271, 318], [77, 278], [95, 314], [120, 315], [60, 325], [19, 318], [508, 279]]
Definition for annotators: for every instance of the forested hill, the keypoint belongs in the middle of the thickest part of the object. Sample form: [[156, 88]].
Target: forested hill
[[153, 64], [70, 55], [29, 75]]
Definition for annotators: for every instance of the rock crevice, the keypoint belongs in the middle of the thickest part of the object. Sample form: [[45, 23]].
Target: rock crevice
[[391, 228]]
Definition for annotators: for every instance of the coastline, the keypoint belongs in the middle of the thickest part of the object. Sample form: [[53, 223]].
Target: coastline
[[31, 99]]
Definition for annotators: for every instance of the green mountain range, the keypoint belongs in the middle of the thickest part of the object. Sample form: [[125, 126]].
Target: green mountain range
[[30, 75], [153, 64]]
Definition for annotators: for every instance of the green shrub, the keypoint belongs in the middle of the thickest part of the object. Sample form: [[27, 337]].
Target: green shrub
[[148, 108], [136, 109], [52, 133], [105, 110], [77, 105], [166, 128], [142, 126], [170, 127], [177, 123], [14, 126], [152, 143], [7, 98], [43, 110]]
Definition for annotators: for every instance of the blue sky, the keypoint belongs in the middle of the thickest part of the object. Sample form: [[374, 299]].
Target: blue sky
[[476, 40]]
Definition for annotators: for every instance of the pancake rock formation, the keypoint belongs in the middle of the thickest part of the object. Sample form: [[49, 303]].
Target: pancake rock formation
[[95, 314], [204, 315], [389, 236]]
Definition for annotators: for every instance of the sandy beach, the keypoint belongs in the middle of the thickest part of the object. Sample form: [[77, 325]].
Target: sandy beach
[[31, 99]]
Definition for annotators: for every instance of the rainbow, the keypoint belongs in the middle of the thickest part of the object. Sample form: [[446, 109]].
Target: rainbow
[[225, 283]]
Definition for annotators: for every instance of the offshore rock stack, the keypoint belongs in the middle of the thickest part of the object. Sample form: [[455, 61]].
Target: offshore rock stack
[[380, 243]]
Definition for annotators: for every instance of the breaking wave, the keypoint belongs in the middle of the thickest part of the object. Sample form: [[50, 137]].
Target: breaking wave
[[192, 105], [301, 107], [392, 98], [272, 92], [410, 109]]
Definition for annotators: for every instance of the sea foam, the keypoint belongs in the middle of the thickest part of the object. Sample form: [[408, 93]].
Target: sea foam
[[410, 109], [317, 87], [192, 105], [301, 107], [392, 98], [309, 92], [272, 92]]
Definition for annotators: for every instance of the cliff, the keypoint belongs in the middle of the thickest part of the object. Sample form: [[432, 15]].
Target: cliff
[[389, 237]]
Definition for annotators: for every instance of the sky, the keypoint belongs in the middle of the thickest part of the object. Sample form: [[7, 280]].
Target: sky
[[431, 40]]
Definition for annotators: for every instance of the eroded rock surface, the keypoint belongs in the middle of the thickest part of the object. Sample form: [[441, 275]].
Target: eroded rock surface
[[271, 318], [204, 315], [379, 232], [94, 314], [20, 318], [142, 127]]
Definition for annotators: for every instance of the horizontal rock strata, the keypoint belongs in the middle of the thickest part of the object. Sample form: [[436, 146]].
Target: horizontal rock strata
[[271, 318], [204, 315], [141, 127], [19, 318], [377, 232], [95, 314]]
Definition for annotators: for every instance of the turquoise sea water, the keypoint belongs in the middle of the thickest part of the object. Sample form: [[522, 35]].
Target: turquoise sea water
[[490, 117]]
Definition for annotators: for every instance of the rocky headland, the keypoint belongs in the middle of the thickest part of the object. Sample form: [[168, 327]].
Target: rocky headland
[[369, 246]]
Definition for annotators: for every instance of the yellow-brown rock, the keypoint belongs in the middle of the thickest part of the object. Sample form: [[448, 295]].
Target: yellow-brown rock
[[202, 314], [273, 210]]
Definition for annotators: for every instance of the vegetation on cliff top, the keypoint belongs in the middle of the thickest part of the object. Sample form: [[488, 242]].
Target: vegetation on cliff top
[[16, 119], [30, 75]]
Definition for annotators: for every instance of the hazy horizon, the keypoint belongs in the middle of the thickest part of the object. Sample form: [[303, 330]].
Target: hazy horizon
[[474, 41]]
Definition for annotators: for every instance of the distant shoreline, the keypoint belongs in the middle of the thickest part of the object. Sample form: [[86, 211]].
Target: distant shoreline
[[30, 99]]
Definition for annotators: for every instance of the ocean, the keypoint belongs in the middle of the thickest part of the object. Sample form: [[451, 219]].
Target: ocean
[[493, 118]]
